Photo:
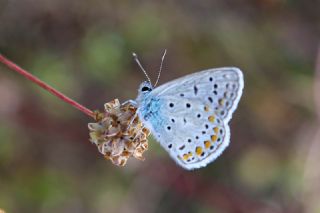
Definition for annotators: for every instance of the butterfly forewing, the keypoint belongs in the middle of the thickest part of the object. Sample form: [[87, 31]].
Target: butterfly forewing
[[189, 116]]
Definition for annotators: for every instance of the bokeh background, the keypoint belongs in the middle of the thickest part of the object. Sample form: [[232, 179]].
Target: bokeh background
[[83, 48]]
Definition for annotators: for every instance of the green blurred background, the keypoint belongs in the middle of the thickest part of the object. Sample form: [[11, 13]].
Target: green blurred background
[[83, 48]]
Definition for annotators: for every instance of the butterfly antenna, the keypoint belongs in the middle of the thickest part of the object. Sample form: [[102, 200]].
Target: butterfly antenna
[[135, 57], [162, 59]]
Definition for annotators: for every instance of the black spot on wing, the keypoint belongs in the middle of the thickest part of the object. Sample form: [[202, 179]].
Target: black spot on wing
[[195, 89], [182, 147]]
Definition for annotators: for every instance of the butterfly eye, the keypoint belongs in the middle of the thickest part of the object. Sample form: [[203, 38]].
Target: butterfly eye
[[143, 89]]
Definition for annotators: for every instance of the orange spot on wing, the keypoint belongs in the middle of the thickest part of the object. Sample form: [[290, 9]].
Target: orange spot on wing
[[185, 157], [216, 130], [221, 101], [211, 118], [199, 150], [214, 137], [207, 144]]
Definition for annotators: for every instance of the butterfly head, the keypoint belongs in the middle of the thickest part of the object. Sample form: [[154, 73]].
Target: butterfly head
[[144, 89]]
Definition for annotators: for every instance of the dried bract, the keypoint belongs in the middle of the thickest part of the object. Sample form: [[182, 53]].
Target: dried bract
[[118, 133]]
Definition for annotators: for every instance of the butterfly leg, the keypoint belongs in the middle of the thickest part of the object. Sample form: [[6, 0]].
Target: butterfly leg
[[141, 129], [132, 102], [132, 119], [135, 104]]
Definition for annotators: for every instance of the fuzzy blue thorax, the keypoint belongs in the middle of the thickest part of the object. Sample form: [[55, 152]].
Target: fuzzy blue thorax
[[149, 106]]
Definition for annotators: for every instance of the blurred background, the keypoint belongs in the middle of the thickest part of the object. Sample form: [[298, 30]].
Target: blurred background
[[83, 48]]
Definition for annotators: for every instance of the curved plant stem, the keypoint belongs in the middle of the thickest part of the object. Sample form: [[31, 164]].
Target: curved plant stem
[[34, 79]]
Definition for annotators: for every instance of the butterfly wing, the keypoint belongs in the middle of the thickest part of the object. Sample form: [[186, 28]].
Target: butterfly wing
[[189, 116]]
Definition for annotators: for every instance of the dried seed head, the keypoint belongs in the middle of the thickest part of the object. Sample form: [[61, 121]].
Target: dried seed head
[[118, 133]]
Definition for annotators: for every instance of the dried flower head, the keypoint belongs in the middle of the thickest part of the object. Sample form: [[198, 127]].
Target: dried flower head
[[118, 133]]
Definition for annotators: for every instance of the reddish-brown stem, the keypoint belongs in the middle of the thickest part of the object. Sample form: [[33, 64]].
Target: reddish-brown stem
[[45, 86]]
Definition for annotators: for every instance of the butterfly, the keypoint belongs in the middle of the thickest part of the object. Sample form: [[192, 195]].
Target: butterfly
[[189, 116]]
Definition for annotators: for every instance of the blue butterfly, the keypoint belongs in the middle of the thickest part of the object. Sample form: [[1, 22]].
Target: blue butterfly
[[189, 116]]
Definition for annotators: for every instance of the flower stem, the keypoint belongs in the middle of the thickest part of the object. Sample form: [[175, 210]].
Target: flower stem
[[45, 86]]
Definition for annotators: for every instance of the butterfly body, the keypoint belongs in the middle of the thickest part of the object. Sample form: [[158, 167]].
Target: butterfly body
[[189, 116]]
